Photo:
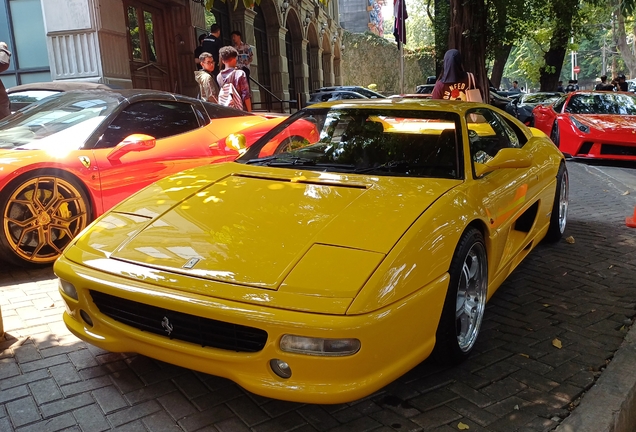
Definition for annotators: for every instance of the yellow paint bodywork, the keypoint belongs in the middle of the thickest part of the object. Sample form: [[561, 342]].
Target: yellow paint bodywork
[[314, 254]]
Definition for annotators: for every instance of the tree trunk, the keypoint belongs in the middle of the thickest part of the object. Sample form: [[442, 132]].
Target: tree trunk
[[551, 72], [468, 35], [623, 47], [441, 24], [503, 52]]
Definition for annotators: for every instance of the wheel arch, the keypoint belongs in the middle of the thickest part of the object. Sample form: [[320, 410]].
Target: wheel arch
[[54, 172]]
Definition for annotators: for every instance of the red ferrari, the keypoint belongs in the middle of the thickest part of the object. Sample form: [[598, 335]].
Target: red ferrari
[[68, 158], [591, 124]]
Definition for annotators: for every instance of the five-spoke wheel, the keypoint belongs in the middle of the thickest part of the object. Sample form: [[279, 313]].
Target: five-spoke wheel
[[465, 302], [41, 213], [559, 216]]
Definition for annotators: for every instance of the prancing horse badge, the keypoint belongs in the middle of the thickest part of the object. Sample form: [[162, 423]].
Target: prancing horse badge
[[85, 160]]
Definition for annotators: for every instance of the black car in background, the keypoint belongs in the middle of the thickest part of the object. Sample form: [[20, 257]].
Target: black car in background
[[357, 89], [324, 96], [523, 106]]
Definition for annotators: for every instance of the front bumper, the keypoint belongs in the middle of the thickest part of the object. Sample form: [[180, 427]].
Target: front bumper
[[393, 339]]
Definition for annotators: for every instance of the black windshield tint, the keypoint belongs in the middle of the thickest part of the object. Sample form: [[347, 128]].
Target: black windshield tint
[[602, 103], [378, 141]]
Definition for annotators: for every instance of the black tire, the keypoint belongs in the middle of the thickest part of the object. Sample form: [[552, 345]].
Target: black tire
[[559, 215], [465, 301], [41, 213], [555, 135]]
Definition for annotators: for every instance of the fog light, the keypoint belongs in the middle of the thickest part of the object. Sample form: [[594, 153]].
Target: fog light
[[87, 319], [319, 346], [67, 288], [280, 368]]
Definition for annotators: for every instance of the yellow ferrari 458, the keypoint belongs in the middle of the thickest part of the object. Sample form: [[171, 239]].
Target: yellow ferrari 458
[[347, 245]]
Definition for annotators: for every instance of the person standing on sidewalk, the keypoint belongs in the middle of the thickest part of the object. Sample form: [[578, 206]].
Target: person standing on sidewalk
[[5, 59], [234, 77], [245, 54], [212, 44], [208, 89]]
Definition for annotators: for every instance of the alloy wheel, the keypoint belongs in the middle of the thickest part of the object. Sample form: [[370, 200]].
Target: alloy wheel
[[471, 297], [42, 216]]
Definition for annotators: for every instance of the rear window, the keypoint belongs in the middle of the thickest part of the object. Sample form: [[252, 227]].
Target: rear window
[[219, 111]]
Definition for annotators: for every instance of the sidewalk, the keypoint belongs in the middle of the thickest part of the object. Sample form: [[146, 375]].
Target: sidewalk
[[581, 296]]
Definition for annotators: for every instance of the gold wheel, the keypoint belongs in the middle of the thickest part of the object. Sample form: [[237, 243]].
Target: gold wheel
[[41, 216]]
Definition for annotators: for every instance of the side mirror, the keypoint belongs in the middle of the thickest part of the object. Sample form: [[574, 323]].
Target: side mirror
[[505, 158], [236, 142], [134, 142]]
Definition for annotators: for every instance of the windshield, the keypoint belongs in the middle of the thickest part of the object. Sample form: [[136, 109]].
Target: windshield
[[67, 119], [379, 141], [602, 103]]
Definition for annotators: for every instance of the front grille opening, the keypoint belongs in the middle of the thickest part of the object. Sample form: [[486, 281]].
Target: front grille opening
[[585, 148], [618, 150], [202, 331]]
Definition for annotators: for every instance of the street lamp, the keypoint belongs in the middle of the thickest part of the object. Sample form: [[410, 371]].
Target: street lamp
[[307, 19], [283, 7]]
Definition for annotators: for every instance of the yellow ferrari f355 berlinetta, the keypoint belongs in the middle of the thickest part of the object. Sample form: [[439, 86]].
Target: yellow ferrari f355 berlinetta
[[350, 243]]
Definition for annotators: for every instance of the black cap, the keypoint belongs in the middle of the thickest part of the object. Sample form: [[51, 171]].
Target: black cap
[[621, 76]]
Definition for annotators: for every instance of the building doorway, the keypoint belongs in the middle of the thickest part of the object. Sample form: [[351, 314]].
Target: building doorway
[[147, 49]]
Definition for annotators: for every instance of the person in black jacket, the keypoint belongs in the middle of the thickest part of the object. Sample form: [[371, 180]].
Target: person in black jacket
[[198, 51], [5, 56], [212, 44]]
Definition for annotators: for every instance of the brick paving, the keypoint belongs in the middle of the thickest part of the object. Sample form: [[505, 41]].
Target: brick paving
[[517, 380]]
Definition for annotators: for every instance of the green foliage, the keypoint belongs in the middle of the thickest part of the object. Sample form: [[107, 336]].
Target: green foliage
[[371, 59]]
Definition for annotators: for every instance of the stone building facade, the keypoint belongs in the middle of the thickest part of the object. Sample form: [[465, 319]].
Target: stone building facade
[[149, 43]]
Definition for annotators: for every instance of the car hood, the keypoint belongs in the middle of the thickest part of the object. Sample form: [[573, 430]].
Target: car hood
[[252, 225], [608, 122]]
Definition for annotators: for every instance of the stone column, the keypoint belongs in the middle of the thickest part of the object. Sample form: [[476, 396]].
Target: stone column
[[86, 40], [302, 78], [278, 63], [327, 60], [316, 55]]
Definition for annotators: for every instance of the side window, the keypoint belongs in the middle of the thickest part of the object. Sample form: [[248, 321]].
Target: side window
[[558, 105], [159, 119], [487, 134]]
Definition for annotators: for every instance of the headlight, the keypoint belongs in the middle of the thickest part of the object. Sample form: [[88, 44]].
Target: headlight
[[319, 346], [580, 126], [67, 288]]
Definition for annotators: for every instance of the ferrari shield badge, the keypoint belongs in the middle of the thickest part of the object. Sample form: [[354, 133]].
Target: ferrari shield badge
[[85, 161]]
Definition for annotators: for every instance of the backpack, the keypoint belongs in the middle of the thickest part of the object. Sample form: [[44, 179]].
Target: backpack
[[229, 95]]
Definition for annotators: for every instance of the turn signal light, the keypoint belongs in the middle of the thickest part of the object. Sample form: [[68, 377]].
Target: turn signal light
[[67, 288], [319, 346]]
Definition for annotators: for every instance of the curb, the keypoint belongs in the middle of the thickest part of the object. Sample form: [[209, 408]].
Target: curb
[[610, 405]]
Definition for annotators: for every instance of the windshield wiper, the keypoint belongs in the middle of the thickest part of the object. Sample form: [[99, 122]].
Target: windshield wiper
[[282, 161], [399, 165]]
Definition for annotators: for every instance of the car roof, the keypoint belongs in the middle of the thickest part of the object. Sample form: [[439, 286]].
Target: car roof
[[61, 86], [401, 103], [350, 88]]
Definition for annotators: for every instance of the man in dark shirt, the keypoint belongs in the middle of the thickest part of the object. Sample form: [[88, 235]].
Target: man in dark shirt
[[622, 84], [604, 85], [199, 50], [212, 44], [5, 56]]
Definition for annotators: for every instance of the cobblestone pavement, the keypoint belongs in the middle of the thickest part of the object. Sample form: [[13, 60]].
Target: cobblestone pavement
[[581, 294]]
